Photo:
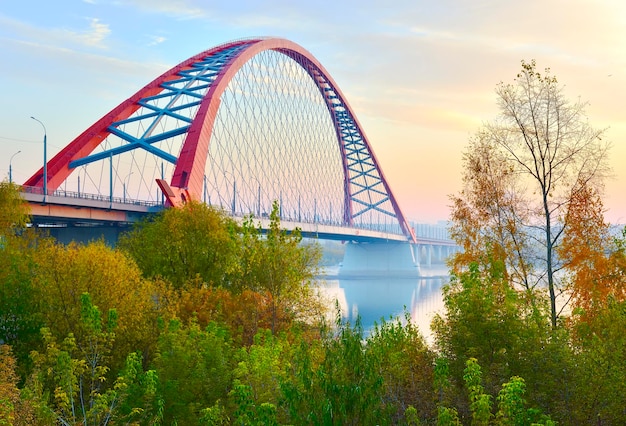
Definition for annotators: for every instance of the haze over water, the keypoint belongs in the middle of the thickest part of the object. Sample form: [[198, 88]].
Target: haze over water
[[375, 299]]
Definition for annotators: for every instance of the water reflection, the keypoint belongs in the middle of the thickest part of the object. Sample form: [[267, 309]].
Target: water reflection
[[373, 299]]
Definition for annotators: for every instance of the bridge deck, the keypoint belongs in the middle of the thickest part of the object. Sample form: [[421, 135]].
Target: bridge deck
[[86, 210]]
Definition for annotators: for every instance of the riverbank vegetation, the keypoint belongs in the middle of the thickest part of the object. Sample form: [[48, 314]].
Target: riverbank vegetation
[[194, 319]]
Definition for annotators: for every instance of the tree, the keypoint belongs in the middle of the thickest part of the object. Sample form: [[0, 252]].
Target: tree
[[485, 216], [552, 152], [487, 319], [20, 320], [194, 366], [112, 279], [14, 409], [261, 368], [278, 264], [595, 259], [600, 344], [480, 402], [406, 366], [337, 383], [484, 319], [70, 379], [14, 211], [181, 244], [511, 405]]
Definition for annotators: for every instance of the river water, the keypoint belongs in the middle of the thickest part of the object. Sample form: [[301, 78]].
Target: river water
[[374, 299]]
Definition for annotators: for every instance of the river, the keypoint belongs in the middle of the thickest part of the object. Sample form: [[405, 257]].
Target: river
[[373, 299]]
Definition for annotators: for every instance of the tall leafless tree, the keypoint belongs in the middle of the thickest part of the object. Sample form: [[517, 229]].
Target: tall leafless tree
[[543, 151]]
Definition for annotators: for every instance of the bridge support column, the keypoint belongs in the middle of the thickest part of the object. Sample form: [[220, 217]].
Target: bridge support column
[[387, 259], [449, 252]]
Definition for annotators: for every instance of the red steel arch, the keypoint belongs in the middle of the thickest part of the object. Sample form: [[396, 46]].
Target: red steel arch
[[187, 179]]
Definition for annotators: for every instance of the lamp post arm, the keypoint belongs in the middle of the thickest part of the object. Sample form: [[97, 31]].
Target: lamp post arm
[[45, 159]]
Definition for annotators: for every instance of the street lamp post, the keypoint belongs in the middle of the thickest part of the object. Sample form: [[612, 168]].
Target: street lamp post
[[234, 201], [45, 160], [124, 185], [234, 195], [11, 168]]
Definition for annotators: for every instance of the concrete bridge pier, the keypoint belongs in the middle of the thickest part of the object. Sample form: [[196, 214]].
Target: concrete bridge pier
[[381, 259]]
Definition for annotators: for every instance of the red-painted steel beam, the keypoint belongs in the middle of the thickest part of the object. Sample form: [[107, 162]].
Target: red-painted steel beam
[[189, 171], [86, 142]]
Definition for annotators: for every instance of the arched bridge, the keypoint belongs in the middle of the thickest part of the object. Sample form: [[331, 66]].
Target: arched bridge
[[238, 126]]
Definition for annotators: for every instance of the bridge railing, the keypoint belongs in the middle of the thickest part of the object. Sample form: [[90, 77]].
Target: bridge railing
[[389, 228], [86, 196]]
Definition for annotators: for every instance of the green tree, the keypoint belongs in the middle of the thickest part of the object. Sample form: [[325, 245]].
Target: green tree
[[250, 413], [511, 405], [487, 319], [480, 402], [599, 396], [405, 365], [484, 319], [19, 299], [194, 366], [548, 151], [182, 244], [278, 264], [335, 382], [70, 378], [263, 366]]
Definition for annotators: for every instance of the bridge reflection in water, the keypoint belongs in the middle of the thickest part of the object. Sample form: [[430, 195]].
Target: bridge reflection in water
[[377, 298]]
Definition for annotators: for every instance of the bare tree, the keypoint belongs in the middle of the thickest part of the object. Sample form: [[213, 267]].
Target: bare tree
[[549, 152]]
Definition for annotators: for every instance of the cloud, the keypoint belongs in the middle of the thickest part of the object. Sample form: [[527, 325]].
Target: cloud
[[89, 70], [156, 40], [96, 35], [180, 9], [93, 36]]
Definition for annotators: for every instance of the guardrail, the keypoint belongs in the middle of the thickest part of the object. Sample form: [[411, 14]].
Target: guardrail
[[119, 202], [92, 197]]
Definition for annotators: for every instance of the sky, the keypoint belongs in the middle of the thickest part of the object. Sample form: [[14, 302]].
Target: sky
[[420, 75]]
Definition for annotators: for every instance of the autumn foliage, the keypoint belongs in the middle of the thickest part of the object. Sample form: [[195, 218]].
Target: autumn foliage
[[595, 259], [197, 318]]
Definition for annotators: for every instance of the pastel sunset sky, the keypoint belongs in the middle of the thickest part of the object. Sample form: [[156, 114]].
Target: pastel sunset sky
[[420, 75]]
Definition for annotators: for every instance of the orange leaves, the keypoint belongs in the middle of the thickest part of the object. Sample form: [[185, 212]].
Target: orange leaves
[[587, 251], [486, 214], [244, 313], [13, 409]]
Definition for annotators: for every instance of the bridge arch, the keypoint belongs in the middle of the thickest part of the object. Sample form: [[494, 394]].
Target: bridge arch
[[365, 188]]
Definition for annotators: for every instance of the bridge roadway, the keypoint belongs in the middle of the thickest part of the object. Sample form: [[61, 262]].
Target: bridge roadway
[[70, 209], [70, 216]]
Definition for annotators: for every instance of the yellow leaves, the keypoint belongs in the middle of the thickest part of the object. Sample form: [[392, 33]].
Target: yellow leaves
[[14, 211], [113, 281], [136, 412], [9, 393], [62, 399]]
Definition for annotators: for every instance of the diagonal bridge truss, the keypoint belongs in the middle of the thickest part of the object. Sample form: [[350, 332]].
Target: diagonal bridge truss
[[237, 126]]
